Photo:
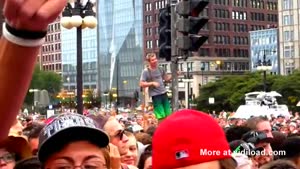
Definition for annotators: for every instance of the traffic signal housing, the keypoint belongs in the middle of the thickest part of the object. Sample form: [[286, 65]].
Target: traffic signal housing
[[189, 24], [165, 33]]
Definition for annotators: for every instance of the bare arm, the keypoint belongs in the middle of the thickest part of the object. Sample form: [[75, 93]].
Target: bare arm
[[16, 61], [16, 67], [145, 84]]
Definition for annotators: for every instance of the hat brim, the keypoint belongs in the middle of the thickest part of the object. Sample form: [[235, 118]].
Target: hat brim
[[18, 145], [65, 136]]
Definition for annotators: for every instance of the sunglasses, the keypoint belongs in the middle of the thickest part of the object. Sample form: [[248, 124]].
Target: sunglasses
[[120, 134], [9, 157]]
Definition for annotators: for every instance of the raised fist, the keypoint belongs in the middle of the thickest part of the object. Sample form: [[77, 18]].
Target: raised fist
[[32, 15]]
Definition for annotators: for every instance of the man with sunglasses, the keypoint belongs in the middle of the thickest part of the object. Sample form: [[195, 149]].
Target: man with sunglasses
[[117, 137], [116, 133]]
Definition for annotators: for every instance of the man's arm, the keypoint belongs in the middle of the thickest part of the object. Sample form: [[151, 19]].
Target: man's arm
[[16, 67], [143, 80], [145, 84]]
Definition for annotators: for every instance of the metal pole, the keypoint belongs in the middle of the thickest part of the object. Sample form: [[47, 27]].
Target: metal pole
[[79, 71], [265, 81], [174, 64], [202, 77], [188, 85], [117, 104]]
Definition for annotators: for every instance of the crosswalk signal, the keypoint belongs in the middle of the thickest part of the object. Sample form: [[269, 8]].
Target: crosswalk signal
[[165, 33], [189, 24]]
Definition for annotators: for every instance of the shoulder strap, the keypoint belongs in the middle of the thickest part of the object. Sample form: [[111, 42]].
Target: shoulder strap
[[149, 71], [162, 71]]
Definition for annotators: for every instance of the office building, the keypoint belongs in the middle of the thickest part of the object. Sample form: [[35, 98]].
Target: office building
[[120, 37], [288, 16], [264, 43], [69, 58], [50, 53]]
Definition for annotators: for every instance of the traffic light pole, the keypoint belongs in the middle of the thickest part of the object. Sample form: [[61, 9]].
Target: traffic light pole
[[174, 64]]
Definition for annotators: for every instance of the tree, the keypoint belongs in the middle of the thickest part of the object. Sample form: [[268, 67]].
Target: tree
[[229, 92], [289, 88], [43, 80]]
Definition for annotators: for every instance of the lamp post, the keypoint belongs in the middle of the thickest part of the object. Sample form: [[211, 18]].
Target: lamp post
[[202, 73], [79, 16], [264, 65], [188, 84]]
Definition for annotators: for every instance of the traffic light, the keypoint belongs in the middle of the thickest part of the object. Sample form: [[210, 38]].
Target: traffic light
[[189, 24], [165, 33]]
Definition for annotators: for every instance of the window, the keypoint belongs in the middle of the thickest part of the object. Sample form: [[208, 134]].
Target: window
[[288, 20], [289, 51], [149, 44], [287, 4], [288, 36]]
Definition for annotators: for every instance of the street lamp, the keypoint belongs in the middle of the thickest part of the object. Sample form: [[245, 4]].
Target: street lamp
[[218, 62], [202, 73], [264, 65], [79, 16]]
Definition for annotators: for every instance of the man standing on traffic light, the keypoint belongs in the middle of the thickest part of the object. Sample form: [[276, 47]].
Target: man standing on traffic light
[[153, 77]]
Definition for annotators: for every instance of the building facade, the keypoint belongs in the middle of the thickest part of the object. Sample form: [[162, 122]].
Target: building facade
[[227, 50], [228, 30], [288, 15], [120, 37], [89, 58], [50, 53], [264, 43]]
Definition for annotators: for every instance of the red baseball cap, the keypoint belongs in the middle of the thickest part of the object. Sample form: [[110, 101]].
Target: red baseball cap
[[188, 137]]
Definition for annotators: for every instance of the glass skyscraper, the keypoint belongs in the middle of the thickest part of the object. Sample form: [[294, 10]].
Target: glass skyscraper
[[89, 58], [120, 33]]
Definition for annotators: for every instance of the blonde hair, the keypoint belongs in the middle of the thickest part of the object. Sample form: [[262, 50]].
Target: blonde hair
[[149, 56]]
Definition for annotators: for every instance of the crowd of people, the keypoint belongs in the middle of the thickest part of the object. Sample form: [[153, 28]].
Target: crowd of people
[[185, 139]]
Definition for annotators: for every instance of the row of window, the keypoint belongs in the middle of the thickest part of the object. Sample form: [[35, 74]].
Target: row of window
[[51, 47], [85, 78], [227, 66], [52, 67], [209, 66], [223, 13], [224, 52], [253, 3], [51, 57], [158, 5], [54, 27], [52, 37], [85, 86], [85, 66]]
